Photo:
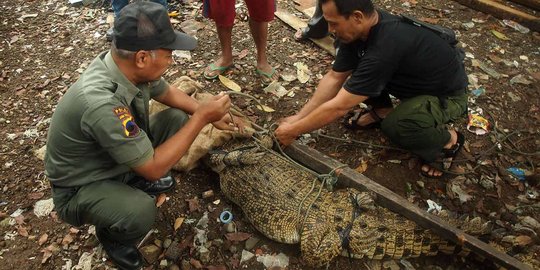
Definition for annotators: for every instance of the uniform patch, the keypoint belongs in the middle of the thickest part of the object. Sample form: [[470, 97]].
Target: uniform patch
[[128, 122]]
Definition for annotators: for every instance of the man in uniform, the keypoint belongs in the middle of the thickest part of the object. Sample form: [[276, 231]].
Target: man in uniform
[[380, 54], [105, 155]]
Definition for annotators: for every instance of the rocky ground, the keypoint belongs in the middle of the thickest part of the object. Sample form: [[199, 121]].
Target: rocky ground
[[45, 45]]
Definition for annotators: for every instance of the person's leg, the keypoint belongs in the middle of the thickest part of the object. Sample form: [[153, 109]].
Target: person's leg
[[260, 13], [317, 26], [108, 205], [223, 13], [419, 125], [122, 216], [381, 106], [118, 5], [165, 124]]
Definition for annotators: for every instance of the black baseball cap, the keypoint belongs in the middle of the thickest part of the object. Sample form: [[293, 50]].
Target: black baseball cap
[[165, 37]]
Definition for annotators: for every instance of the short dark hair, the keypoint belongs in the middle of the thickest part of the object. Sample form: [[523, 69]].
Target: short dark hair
[[346, 7]]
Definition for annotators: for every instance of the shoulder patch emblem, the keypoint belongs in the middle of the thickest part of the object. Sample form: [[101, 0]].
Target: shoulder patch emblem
[[128, 122]]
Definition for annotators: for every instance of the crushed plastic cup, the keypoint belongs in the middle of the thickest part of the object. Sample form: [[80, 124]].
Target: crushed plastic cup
[[478, 124], [516, 26]]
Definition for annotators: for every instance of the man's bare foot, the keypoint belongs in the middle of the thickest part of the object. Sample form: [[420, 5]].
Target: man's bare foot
[[267, 72], [367, 118], [215, 69], [431, 171]]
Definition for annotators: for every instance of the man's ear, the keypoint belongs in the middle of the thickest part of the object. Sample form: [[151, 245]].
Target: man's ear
[[358, 16], [142, 58]]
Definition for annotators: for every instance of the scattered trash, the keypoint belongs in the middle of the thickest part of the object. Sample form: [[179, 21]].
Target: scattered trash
[[225, 217], [517, 172], [281, 260], [433, 206], [246, 256], [524, 58], [531, 194], [468, 25], [288, 77], [478, 124], [491, 72], [200, 239], [302, 72], [478, 92], [85, 261], [276, 89], [520, 79], [44, 207], [516, 26], [181, 54]]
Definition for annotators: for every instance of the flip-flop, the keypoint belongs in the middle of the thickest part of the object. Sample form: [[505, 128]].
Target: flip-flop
[[350, 120], [448, 156], [266, 76], [212, 68]]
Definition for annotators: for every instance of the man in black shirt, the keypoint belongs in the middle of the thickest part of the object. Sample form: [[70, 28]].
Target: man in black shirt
[[380, 54]]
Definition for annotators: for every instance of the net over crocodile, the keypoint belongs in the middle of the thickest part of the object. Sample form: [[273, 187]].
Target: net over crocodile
[[284, 203]]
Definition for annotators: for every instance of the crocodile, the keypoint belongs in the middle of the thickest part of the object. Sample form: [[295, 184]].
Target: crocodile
[[287, 204]]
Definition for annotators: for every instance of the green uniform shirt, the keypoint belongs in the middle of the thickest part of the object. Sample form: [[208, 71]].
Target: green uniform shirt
[[100, 127]]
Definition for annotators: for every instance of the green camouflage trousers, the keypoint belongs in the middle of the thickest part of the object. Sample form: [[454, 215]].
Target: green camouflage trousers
[[419, 124]]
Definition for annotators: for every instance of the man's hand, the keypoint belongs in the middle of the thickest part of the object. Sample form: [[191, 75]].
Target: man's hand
[[234, 124], [291, 119], [285, 133], [214, 108]]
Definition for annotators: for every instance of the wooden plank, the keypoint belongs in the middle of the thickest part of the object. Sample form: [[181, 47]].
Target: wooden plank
[[386, 198], [503, 12], [534, 4], [326, 43]]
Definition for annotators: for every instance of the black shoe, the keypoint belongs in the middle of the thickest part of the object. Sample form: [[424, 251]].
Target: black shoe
[[153, 187], [125, 257]]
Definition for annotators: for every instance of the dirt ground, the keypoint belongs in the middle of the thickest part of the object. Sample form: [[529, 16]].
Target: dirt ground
[[45, 45]]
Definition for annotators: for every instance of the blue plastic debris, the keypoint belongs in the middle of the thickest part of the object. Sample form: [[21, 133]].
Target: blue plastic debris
[[517, 172], [226, 217], [478, 92]]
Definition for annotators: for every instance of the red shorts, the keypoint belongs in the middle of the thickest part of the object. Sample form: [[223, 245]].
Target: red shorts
[[223, 11]]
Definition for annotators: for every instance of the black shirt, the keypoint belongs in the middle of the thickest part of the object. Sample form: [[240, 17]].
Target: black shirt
[[403, 59]]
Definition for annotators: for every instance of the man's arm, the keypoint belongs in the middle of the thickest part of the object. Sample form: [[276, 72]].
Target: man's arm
[[175, 98], [326, 90], [324, 114], [168, 153]]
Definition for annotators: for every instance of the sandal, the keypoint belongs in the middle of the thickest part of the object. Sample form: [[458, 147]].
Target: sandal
[[350, 120], [211, 68], [448, 156], [267, 77]]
